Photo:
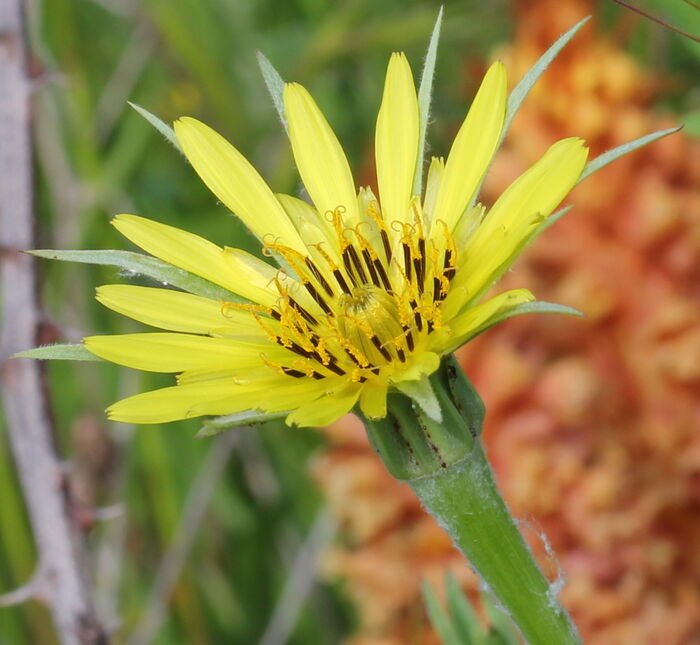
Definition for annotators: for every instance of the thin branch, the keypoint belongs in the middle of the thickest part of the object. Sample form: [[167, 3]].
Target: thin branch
[[17, 596], [174, 560], [695, 5], [659, 21], [300, 581], [61, 576]]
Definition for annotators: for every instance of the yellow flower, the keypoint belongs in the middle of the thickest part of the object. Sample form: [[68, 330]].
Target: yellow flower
[[371, 291]]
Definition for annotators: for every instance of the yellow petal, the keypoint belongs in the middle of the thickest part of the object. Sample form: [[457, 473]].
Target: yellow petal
[[166, 352], [436, 170], [175, 310], [396, 140], [179, 402], [373, 400], [230, 176], [541, 188], [312, 228], [472, 321], [473, 147], [254, 278], [530, 198], [236, 270], [292, 394], [423, 364], [324, 411], [320, 159]]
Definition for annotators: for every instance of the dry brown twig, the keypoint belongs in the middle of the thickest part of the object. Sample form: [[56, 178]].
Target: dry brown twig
[[661, 22], [60, 579]]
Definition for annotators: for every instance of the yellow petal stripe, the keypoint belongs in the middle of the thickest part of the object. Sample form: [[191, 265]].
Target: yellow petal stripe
[[165, 352], [230, 176], [396, 140], [320, 159], [473, 147], [237, 271], [175, 310]]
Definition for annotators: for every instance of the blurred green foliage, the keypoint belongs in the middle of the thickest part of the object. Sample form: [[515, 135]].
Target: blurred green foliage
[[96, 157]]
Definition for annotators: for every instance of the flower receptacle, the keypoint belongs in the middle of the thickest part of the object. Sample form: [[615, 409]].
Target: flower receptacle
[[411, 443]]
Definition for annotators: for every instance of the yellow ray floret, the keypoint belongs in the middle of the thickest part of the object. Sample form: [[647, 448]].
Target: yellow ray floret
[[473, 147], [396, 140], [230, 176], [321, 162], [369, 293]]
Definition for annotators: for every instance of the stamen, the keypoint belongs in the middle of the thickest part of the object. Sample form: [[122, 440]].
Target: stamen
[[341, 281], [370, 267], [289, 371], [307, 316], [348, 265], [382, 274], [335, 369], [357, 264], [317, 297], [407, 260], [319, 276], [386, 244], [409, 338], [382, 350]]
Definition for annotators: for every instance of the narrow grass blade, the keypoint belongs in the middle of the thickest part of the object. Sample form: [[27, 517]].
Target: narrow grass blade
[[274, 84], [217, 425], [425, 92], [611, 155], [59, 352], [137, 263], [522, 89], [158, 124], [439, 619], [466, 622]]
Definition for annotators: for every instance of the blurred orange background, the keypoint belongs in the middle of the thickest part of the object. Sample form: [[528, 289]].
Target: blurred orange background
[[593, 424]]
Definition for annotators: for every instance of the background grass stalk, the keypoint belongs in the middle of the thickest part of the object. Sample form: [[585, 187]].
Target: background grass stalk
[[445, 464]]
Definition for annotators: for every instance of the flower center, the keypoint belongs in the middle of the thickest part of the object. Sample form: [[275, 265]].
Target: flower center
[[369, 320], [367, 296]]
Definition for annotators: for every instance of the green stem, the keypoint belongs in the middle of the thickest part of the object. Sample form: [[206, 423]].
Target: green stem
[[445, 465], [465, 501]]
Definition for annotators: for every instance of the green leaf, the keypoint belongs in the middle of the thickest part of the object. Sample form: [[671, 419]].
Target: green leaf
[[610, 156], [59, 352], [217, 425], [425, 92], [274, 84], [464, 619], [158, 124], [145, 265], [536, 307], [522, 89], [439, 619]]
